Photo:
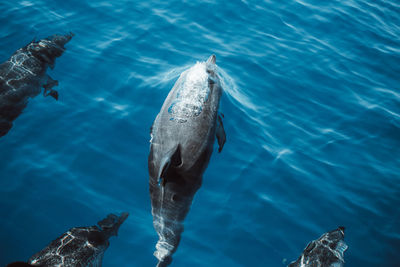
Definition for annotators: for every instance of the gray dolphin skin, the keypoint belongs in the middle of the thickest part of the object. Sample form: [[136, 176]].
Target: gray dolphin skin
[[80, 246], [326, 251], [182, 138], [23, 75]]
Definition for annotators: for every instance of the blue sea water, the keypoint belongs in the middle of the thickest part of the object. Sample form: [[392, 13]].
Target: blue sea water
[[312, 115]]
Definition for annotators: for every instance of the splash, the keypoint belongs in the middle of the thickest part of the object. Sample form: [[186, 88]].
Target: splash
[[230, 87], [234, 92]]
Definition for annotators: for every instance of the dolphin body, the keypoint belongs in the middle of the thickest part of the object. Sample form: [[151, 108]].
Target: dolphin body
[[326, 251], [182, 138], [23, 75], [80, 246]]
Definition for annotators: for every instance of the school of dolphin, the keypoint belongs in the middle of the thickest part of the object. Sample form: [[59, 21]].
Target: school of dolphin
[[182, 139]]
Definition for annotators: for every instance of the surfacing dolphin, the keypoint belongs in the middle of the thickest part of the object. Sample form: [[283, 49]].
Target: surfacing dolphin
[[24, 74], [182, 138], [326, 251], [80, 246]]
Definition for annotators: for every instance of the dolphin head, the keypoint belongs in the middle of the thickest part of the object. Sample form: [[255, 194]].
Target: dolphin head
[[48, 49], [112, 222], [61, 40], [211, 69]]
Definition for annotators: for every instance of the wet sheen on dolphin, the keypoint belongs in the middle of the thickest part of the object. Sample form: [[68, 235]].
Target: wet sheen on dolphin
[[23, 75], [182, 139], [79, 246], [326, 251]]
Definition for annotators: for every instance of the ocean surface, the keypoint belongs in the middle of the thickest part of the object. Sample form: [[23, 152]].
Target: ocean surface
[[312, 116]]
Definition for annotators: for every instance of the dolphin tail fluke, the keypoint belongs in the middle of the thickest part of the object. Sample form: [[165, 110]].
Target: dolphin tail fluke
[[112, 222]]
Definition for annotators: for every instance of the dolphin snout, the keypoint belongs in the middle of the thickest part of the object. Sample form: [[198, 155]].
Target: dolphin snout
[[61, 40], [212, 59]]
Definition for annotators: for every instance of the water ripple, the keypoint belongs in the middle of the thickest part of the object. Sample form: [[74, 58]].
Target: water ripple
[[312, 117]]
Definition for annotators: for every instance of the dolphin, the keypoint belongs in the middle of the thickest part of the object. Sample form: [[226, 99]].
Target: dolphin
[[326, 251], [80, 246], [23, 75], [182, 138]]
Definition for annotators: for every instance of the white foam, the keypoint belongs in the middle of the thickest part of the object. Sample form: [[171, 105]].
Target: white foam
[[192, 90], [163, 250], [197, 73]]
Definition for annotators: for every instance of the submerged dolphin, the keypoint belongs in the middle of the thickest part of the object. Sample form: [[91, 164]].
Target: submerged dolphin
[[23, 75], [326, 251], [80, 246], [182, 138]]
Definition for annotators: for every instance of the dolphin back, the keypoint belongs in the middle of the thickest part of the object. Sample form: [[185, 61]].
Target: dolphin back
[[80, 246], [23, 75], [327, 251], [182, 138]]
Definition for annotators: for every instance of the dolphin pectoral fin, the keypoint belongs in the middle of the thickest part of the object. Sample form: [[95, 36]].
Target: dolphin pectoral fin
[[48, 91], [220, 133], [173, 158], [53, 94]]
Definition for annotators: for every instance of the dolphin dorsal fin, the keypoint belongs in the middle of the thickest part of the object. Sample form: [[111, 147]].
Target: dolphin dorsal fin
[[173, 158]]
